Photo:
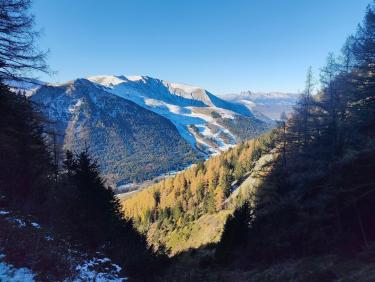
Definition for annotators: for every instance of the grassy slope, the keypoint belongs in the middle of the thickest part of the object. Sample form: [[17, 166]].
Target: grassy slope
[[205, 230]]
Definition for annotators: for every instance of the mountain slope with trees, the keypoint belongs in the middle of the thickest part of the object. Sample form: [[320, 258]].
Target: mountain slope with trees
[[294, 204], [130, 143], [189, 210], [53, 218], [311, 216], [319, 197], [189, 107], [71, 201], [119, 115]]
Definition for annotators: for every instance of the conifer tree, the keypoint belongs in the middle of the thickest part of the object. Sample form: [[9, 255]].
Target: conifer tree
[[19, 54]]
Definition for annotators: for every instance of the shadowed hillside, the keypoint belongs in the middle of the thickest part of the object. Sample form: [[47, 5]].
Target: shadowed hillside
[[130, 142]]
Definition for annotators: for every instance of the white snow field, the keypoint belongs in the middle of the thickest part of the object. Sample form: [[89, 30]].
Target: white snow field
[[184, 105]]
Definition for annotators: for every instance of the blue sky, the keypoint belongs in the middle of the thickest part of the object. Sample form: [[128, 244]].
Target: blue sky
[[223, 46]]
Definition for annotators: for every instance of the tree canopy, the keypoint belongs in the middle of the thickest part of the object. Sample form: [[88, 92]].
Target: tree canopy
[[20, 56]]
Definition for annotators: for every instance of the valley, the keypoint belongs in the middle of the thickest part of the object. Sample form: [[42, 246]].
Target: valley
[[113, 178], [189, 210]]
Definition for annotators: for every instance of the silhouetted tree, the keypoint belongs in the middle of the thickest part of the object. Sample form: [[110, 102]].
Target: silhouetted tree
[[323, 199], [19, 55], [25, 163], [235, 232]]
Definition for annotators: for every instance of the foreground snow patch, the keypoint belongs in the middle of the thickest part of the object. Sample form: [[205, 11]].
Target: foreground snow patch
[[108, 271], [19, 222], [12, 274], [36, 225]]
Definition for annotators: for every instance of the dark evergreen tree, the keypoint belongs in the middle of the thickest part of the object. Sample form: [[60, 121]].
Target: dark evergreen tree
[[235, 232], [73, 202], [95, 219], [25, 163], [18, 53], [322, 199]]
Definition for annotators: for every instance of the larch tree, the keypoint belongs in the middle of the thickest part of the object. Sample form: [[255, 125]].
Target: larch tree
[[20, 56]]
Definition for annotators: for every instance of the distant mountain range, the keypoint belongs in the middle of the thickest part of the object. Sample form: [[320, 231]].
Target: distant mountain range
[[139, 127], [268, 104]]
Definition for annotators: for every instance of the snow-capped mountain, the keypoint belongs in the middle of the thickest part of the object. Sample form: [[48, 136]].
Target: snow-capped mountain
[[26, 86], [203, 119], [270, 104], [140, 127], [131, 143]]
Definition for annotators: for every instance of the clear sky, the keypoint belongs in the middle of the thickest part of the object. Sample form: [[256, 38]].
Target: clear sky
[[224, 46]]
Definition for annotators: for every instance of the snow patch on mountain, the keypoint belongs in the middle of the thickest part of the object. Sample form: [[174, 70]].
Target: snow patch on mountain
[[184, 87], [184, 105]]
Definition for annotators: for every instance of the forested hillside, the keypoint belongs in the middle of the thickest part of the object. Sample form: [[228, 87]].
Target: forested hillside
[[57, 222], [141, 127], [319, 198], [309, 212], [172, 211], [202, 119], [131, 143], [294, 204], [71, 202]]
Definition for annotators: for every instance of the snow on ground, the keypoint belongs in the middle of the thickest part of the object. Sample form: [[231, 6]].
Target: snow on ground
[[106, 80], [184, 87], [36, 225], [74, 107], [110, 271], [208, 133], [135, 78], [19, 222], [49, 238], [93, 269], [182, 104], [9, 273], [182, 117]]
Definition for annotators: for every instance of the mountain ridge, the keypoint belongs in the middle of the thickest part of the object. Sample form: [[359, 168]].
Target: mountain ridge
[[192, 109], [107, 113], [204, 120], [127, 139], [265, 105]]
